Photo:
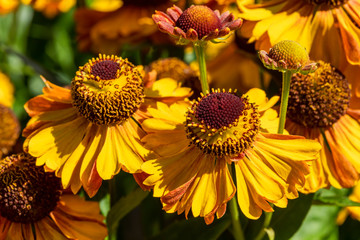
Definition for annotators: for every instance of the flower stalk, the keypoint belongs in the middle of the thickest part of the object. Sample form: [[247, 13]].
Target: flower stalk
[[286, 79], [200, 56]]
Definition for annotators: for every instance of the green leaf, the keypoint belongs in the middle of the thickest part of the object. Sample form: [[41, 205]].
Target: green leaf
[[340, 201], [286, 221], [194, 228], [123, 206], [320, 223]]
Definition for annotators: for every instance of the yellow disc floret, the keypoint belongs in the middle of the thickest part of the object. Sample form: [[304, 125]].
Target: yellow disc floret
[[107, 90], [290, 53], [223, 124]]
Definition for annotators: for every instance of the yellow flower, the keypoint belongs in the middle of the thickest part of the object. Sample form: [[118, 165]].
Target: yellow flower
[[106, 32], [329, 30], [196, 23], [7, 6], [33, 205], [198, 143], [91, 131], [9, 130], [51, 8], [6, 90], [318, 109]]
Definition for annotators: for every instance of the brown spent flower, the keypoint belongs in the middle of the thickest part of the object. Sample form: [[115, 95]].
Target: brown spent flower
[[197, 22]]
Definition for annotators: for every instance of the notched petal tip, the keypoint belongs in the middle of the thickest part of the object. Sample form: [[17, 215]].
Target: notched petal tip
[[192, 35]]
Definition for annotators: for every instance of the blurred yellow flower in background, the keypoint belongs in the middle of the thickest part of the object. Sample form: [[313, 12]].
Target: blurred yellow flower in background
[[51, 8], [33, 205], [216, 132], [7, 6], [6, 91], [106, 32], [9, 130], [319, 109]]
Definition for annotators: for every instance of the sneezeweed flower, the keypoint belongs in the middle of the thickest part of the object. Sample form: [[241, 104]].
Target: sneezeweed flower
[[178, 70], [105, 32], [33, 205], [51, 8], [6, 90], [196, 23], [218, 131], [319, 26], [91, 131], [318, 109], [287, 55], [9, 130], [7, 6], [328, 29]]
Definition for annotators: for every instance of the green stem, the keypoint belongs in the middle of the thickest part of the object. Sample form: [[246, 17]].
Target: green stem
[[284, 99], [261, 234], [234, 210], [235, 220], [200, 56]]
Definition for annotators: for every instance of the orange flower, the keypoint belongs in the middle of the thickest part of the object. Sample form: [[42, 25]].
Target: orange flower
[[107, 32], [208, 138], [329, 30], [91, 131], [318, 109], [196, 23], [33, 205]]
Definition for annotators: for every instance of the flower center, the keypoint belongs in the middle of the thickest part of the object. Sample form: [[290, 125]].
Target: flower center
[[27, 192], [107, 90], [291, 53], [105, 70], [222, 123], [318, 99], [334, 3], [200, 18], [9, 130]]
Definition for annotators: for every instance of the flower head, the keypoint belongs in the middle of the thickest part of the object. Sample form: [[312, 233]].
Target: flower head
[[33, 199], [107, 90], [223, 129], [287, 55], [196, 23], [9, 130], [319, 109], [92, 131]]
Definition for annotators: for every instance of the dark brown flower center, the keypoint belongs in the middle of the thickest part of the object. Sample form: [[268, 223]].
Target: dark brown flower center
[[107, 90], [222, 124], [105, 70], [318, 99], [333, 3], [200, 18], [27, 192], [219, 110]]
